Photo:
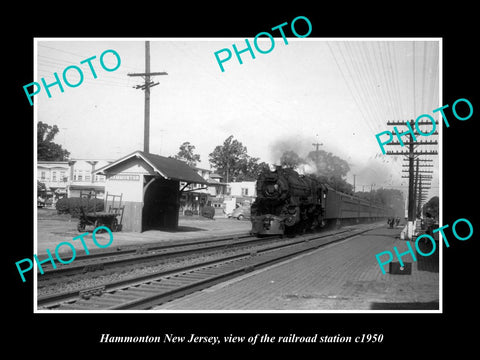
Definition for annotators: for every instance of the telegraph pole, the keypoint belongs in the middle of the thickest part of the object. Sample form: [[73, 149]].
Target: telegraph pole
[[424, 186], [146, 87], [418, 195], [411, 154], [317, 145], [415, 189]]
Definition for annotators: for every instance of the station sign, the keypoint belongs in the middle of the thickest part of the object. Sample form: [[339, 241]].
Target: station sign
[[125, 177]]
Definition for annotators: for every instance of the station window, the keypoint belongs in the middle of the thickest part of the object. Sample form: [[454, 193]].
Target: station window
[[244, 191]]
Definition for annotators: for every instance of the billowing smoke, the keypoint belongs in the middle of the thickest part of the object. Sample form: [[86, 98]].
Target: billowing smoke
[[307, 167], [298, 144], [376, 178], [293, 152]]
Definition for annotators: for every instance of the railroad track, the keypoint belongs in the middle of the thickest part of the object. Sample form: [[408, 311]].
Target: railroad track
[[150, 290], [109, 267], [134, 255]]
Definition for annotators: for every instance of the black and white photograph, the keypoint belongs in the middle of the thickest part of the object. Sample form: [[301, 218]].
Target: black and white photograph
[[184, 182], [239, 180]]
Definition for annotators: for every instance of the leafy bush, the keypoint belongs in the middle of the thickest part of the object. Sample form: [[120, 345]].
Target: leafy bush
[[73, 205], [62, 206], [208, 212]]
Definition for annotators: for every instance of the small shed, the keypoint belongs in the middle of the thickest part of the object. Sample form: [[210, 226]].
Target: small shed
[[150, 188]]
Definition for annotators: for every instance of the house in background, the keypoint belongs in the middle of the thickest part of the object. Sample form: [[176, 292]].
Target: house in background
[[54, 175], [243, 189], [84, 180], [224, 197], [195, 196], [241, 193], [70, 178]]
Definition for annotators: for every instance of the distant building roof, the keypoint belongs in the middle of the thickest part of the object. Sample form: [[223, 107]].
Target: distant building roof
[[169, 168], [52, 163], [199, 168]]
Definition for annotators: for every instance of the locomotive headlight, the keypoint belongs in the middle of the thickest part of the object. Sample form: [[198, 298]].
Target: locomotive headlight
[[270, 189], [290, 220]]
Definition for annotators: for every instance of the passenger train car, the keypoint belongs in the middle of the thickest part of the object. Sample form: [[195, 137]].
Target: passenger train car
[[289, 203]]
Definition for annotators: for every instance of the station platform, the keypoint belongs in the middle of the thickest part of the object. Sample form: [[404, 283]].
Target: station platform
[[342, 276], [53, 229]]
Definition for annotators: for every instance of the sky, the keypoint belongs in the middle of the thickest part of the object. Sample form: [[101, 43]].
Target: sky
[[336, 92]]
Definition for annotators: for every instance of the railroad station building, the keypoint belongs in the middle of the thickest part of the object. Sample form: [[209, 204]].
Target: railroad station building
[[150, 188]]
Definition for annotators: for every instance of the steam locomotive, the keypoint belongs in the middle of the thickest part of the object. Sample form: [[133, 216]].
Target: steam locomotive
[[289, 203]]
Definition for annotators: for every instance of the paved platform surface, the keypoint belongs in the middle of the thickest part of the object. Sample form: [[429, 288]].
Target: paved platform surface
[[341, 276], [53, 229]]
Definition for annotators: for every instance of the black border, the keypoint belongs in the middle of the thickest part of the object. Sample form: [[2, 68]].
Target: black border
[[405, 333]]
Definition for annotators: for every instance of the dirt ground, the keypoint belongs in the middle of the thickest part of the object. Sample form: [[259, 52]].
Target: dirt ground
[[53, 229]]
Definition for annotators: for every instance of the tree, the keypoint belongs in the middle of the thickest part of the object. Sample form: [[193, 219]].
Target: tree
[[225, 158], [432, 208], [233, 163], [249, 169], [328, 164], [186, 154], [47, 150], [290, 159], [329, 169]]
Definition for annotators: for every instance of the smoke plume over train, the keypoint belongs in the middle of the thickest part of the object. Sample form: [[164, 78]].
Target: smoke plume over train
[[302, 154]]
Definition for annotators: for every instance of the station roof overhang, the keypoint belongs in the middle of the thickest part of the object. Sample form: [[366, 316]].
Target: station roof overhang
[[168, 168]]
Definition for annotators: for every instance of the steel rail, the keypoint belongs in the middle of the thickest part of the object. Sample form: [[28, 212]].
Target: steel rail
[[141, 254], [164, 285]]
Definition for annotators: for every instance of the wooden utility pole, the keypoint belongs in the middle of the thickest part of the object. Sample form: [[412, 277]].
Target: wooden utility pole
[[417, 198], [411, 155], [146, 87], [423, 186], [317, 145]]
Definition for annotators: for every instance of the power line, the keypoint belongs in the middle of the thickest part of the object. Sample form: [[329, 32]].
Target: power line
[[364, 76], [52, 67], [82, 56], [348, 86]]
